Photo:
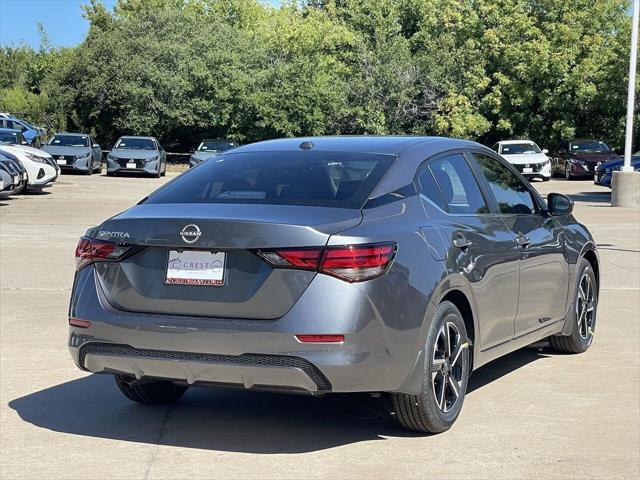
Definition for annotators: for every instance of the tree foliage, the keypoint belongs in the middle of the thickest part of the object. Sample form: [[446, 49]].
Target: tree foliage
[[481, 69]]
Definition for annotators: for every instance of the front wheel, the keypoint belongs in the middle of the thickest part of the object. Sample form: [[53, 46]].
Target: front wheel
[[152, 393], [438, 405], [582, 314]]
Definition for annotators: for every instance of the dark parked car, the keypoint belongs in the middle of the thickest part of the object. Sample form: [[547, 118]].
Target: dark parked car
[[137, 155], [580, 158], [11, 136], [75, 152], [33, 135], [604, 172], [333, 264], [209, 148]]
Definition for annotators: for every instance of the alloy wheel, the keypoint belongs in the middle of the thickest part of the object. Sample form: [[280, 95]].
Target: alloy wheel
[[585, 306], [447, 367]]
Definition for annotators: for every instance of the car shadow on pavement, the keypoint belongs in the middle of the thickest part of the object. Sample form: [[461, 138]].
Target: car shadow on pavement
[[592, 197], [230, 420]]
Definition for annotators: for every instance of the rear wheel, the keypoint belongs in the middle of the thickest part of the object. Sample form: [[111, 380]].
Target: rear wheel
[[151, 393], [582, 314], [438, 405]]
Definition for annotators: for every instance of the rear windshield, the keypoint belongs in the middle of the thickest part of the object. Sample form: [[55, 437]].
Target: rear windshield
[[329, 179]]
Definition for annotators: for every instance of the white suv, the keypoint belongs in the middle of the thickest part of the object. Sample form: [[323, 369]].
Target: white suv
[[527, 157], [40, 166]]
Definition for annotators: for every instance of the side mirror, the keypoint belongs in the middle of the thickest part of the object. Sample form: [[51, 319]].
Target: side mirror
[[545, 151], [24, 142], [95, 145], [559, 204], [562, 151]]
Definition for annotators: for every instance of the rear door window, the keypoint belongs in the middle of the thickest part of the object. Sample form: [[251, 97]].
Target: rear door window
[[457, 184], [330, 179], [511, 193]]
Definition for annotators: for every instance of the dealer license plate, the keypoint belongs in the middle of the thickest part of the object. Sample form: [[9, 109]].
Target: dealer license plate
[[61, 162], [131, 165], [195, 267], [527, 170]]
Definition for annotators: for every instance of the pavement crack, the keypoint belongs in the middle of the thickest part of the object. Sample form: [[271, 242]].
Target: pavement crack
[[156, 448]]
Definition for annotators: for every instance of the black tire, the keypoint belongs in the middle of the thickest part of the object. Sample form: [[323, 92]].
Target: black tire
[[423, 412], [567, 173], [158, 173], [582, 328], [150, 393], [546, 179]]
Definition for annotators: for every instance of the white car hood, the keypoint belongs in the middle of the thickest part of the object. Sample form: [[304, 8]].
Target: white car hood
[[23, 148], [521, 158]]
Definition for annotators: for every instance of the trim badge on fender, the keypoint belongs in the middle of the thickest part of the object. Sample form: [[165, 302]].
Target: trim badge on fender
[[190, 233]]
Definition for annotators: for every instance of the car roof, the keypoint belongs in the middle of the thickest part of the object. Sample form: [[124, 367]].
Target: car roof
[[411, 151], [72, 134], [138, 136], [384, 144], [217, 140], [584, 140], [511, 142]]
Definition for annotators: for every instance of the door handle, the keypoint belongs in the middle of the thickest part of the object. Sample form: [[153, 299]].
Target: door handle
[[522, 241], [461, 241]]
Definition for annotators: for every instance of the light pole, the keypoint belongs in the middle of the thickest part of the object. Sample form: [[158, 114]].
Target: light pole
[[625, 185], [628, 144]]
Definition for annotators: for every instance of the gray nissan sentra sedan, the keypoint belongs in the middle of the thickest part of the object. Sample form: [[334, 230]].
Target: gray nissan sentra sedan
[[137, 155], [333, 264]]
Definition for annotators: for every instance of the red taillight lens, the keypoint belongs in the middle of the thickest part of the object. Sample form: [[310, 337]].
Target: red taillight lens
[[90, 250], [299, 258], [77, 322], [357, 263], [320, 338], [352, 263]]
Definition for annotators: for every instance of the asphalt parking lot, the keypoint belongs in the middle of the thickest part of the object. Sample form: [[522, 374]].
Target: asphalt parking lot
[[533, 414]]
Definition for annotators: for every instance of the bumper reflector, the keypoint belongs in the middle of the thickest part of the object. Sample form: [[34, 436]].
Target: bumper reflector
[[76, 322], [320, 338]]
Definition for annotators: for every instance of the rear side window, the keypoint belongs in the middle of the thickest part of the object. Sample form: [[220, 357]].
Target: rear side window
[[430, 189], [329, 179], [457, 184], [510, 191]]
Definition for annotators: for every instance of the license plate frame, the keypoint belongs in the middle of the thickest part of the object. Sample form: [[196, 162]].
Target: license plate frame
[[61, 161], [180, 263], [131, 165], [527, 170]]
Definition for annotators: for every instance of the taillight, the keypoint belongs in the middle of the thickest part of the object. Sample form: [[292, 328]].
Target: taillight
[[352, 263], [90, 250], [299, 258], [357, 263]]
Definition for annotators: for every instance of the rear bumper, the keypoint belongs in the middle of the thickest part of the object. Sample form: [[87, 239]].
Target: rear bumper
[[251, 353], [242, 371]]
